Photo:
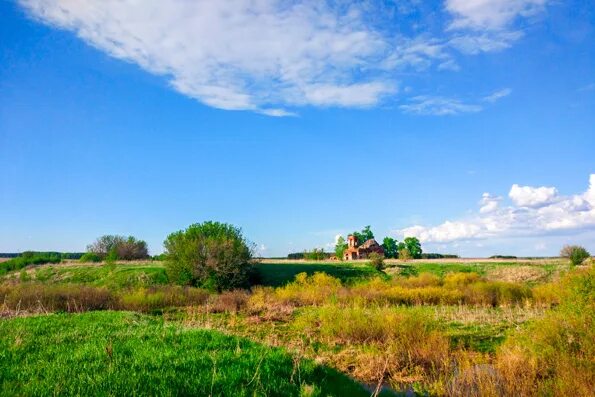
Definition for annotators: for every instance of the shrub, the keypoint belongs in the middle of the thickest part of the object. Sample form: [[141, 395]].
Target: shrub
[[575, 253], [90, 257], [211, 255], [404, 254], [52, 298], [376, 261], [554, 355], [309, 290]]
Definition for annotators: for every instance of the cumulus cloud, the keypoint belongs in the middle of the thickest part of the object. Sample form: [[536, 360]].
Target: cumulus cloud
[[527, 196], [535, 211], [270, 56]]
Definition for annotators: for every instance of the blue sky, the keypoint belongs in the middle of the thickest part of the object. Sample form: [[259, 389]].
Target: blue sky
[[469, 124]]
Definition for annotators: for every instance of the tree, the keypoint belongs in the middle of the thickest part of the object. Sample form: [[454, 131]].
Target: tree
[[131, 249], [119, 247], [390, 247], [404, 254], [317, 254], [211, 255], [340, 247], [414, 247], [575, 253], [365, 235]]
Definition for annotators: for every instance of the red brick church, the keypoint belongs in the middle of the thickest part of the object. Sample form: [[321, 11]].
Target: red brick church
[[355, 251]]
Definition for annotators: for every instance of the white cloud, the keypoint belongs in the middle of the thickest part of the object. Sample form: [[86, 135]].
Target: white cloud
[[269, 56], [535, 211], [438, 106], [489, 203], [497, 95], [527, 196], [491, 14]]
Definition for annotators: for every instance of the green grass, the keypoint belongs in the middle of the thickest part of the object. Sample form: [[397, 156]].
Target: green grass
[[278, 274], [113, 277], [120, 353], [481, 268]]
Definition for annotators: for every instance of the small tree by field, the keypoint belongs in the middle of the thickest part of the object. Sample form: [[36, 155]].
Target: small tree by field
[[413, 246], [404, 254], [575, 253], [117, 247], [340, 247], [211, 255], [376, 261], [390, 246]]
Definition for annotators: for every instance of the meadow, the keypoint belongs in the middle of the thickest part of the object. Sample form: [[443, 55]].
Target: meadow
[[449, 327]]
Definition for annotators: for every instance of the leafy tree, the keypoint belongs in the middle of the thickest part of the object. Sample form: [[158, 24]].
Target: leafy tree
[[414, 247], [211, 255], [340, 247], [365, 235], [575, 253], [390, 247]]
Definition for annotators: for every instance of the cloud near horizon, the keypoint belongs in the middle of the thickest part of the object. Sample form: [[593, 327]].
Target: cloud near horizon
[[272, 56], [534, 211]]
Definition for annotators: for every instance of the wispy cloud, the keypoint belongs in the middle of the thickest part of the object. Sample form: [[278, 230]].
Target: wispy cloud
[[497, 95], [272, 56], [534, 211], [438, 106]]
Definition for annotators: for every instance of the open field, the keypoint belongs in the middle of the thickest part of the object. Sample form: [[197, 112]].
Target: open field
[[443, 328]]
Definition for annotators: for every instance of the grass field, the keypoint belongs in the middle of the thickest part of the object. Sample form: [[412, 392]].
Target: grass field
[[426, 327], [111, 353]]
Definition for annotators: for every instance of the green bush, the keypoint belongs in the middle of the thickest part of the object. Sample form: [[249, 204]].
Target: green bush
[[211, 255], [90, 257], [575, 253], [376, 261], [578, 256]]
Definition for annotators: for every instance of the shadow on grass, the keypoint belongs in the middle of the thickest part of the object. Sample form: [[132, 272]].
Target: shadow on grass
[[278, 274]]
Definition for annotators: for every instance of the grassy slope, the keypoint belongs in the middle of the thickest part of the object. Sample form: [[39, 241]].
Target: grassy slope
[[111, 353], [126, 275]]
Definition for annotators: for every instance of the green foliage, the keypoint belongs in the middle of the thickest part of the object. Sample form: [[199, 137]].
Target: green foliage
[[29, 258], [363, 236], [90, 257], [317, 254], [413, 246], [211, 255], [376, 261], [575, 253], [108, 353], [390, 247], [340, 247]]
